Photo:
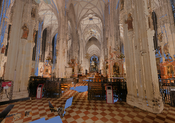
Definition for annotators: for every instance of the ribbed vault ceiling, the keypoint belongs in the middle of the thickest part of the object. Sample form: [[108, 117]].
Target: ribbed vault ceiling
[[93, 50], [90, 18], [49, 13], [86, 7]]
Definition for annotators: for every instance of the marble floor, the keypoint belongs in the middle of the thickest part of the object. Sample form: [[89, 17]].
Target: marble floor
[[84, 111]]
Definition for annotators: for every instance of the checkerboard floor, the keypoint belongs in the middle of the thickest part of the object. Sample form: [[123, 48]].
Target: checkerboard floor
[[84, 111]]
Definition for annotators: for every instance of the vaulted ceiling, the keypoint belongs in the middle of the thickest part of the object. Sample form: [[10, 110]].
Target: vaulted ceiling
[[49, 13], [89, 18], [85, 7]]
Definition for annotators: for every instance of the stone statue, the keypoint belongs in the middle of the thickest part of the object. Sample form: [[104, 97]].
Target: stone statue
[[121, 5], [34, 33], [25, 32], [33, 12], [160, 37], [165, 49], [150, 20], [129, 22], [3, 49]]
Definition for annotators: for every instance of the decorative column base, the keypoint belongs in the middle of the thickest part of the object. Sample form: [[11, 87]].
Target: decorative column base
[[19, 95], [151, 105], [16, 95]]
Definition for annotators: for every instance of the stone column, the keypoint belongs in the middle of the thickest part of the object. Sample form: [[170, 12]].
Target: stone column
[[15, 38], [61, 46], [4, 33], [76, 54], [19, 59], [48, 44], [142, 79]]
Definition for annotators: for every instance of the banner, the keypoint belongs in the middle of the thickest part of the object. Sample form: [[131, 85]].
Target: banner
[[6, 84]]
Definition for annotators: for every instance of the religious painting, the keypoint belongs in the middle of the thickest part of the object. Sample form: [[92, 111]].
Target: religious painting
[[170, 69], [94, 64], [33, 12], [129, 22], [116, 69], [47, 71], [121, 5], [25, 32]]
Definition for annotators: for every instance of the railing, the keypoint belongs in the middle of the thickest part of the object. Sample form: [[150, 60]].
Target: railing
[[53, 88], [97, 90], [166, 89]]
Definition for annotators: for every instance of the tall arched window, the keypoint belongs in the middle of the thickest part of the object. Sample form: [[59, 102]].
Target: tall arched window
[[173, 8], [0, 4], [43, 50], [53, 49], [154, 17], [54, 43], [8, 38]]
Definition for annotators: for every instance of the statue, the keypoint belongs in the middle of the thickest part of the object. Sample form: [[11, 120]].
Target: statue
[[160, 37], [150, 20], [165, 49], [121, 5], [129, 22], [34, 33], [3, 49], [33, 12], [25, 32]]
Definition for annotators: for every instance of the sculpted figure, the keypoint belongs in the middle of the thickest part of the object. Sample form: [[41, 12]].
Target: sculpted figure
[[34, 33], [129, 22], [165, 49], [121, 5], [150, 20], [25, 32], [33, 12], [3, 49], [160, 37]]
